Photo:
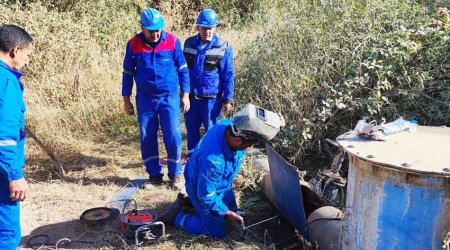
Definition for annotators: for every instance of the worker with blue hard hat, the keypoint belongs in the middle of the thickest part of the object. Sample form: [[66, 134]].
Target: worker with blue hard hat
[[154, 60], [212, 168], [211, 73], [207, 18]]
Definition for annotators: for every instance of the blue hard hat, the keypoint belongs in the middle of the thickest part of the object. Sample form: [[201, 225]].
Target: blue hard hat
[[151, 19], [207, 18]]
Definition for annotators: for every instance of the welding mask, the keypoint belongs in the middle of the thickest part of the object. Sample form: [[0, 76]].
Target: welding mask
[[253, 122]]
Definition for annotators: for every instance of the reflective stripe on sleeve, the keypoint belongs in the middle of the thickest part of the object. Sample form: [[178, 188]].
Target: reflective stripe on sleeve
[[190, 51], [4, 143]]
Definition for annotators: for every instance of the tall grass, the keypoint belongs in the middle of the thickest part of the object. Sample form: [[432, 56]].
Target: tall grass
[[72, 85], [73, 82]]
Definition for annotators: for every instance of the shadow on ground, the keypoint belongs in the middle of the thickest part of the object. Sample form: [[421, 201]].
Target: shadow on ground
[[41, 169]]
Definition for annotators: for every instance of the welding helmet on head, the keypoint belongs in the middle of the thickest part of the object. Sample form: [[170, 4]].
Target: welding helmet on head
[[151, 19], [253, 122], [207, 18]]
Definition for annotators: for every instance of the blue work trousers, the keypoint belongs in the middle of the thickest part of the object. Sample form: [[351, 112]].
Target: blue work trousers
[[202, 111], [165, 111], [205, 222], [9, 218]]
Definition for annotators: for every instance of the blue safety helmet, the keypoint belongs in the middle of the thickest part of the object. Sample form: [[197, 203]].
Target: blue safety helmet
[[151, 19], [207, 18]]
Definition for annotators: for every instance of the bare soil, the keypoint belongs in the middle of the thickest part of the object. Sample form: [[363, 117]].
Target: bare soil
[[52, 211]]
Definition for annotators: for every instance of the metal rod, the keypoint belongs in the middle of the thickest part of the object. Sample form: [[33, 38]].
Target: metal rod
[[334, 143], [56, 163], [257, 223]]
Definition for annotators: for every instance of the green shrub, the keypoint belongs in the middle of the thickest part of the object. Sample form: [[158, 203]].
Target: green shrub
[[325, 65]]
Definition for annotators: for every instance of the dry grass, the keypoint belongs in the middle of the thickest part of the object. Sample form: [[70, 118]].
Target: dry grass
[[72, 90], [54, 205]]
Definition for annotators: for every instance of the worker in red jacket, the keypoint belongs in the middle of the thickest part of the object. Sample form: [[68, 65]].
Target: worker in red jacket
[[154, 60]]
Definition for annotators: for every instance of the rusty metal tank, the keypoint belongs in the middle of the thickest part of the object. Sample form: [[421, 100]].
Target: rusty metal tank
[[398, 193]]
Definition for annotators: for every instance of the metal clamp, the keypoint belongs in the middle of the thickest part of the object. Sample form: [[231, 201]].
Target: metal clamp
[[146, 227]]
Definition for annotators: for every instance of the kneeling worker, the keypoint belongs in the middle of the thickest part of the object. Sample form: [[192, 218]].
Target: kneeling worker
[[212, 168]]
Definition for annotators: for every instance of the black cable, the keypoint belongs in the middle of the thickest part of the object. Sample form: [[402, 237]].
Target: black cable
[[51, 244], [30, 245]]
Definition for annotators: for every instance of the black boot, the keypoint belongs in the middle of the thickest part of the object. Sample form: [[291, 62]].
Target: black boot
[[168, 217]]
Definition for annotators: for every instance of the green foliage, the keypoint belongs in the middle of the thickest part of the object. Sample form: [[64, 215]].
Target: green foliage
[[408, 74], [239, 12], [325, 65]]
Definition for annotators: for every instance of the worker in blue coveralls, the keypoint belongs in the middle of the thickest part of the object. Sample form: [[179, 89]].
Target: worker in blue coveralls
[[213, 166], [154, 59], [16, 45], [211, 73]]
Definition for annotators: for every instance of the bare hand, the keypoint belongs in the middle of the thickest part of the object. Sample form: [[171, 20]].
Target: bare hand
[[235, 219], [227, 107], [185, 103], [128, 108], [18, 190]]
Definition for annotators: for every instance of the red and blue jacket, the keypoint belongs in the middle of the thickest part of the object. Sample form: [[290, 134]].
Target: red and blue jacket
[[211, 68], [157, 71], [12, 124]]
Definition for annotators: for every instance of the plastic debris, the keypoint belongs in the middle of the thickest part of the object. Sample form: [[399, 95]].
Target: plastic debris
[[380, 132]]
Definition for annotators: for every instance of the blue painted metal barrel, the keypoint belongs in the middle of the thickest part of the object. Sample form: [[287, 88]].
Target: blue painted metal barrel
[[398, 193]]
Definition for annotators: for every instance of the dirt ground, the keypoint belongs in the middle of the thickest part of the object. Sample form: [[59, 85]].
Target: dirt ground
[[52, 211]]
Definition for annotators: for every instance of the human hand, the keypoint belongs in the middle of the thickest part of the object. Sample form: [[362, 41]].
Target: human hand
[[128, 108], [185, 103], [234, 219], [227, 107], [18, 190]]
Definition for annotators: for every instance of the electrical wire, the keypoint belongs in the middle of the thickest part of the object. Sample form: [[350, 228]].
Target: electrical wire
[[50, 245]]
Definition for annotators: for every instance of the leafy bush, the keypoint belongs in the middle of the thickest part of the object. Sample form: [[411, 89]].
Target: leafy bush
[[325, 65]]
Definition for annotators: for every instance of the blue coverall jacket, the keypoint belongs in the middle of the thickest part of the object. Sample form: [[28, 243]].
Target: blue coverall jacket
[[159, 72], [211, 69], [12, 159], [209, 175], [211, 73]]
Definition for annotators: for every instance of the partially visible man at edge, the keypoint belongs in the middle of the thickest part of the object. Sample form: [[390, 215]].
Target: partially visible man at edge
[[154, 60], [16, 45], [211, 72]]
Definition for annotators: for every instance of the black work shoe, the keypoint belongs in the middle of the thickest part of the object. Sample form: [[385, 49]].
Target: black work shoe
[[155, 180], [168, 217], [184, 200], [176, 183]]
